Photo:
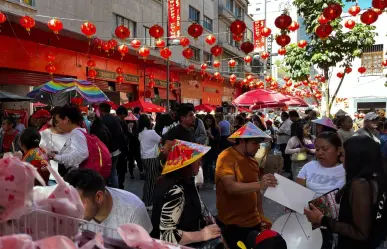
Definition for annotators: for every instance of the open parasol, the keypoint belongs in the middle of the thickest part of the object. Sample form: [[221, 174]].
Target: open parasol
[[144, 106], [259, 97], [90, 92], [205, 108], [11, 97]]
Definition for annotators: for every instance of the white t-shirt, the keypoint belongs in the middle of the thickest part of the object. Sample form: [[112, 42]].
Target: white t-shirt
[[53, 142], [322, 180], [149, 140], [127, 209], [286, 129]]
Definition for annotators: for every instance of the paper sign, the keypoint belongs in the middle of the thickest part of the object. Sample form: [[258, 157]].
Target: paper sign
[[290, 194]]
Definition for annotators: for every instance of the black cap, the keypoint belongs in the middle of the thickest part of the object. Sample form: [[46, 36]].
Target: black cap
[[267, 239]]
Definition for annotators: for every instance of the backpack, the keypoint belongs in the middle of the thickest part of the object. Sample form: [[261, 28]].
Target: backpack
[[99, 156]]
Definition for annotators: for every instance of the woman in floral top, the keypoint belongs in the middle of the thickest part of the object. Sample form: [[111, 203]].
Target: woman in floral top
[[33, 154]]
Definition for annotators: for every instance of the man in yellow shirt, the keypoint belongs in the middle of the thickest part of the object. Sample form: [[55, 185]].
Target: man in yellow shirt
[[238, 186]]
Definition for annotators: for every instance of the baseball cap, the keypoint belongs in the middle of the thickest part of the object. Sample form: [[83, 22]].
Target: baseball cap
[[267, 239], [41, 114], [371, 116]]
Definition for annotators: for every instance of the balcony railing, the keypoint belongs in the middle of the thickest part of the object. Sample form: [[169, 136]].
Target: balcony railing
[[229, 14]]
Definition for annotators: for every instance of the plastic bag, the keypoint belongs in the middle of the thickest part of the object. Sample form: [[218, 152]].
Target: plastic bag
[[135, 236], [199, 179]]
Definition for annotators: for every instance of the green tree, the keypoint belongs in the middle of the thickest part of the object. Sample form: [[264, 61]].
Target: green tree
[[339, 49]]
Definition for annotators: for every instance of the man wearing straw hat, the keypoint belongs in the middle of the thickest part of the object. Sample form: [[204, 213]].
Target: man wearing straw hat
[[238, 186]]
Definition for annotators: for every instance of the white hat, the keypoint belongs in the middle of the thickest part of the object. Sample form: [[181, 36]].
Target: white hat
[[371, 116]]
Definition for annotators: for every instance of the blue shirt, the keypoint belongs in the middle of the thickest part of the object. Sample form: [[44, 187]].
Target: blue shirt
[[225, 128], [383, 143]]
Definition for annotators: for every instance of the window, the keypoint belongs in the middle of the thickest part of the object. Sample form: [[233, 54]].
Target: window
[[120, 20], [149, 41], [257, 9], [238, 12], [371, 59], [26, 2], [196, 56], [194, 14], [207, 58], [207, 23], [230, 40], [249, 35], [230, 5]]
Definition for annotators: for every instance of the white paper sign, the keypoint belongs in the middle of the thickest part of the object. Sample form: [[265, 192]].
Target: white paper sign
[[290, 194]]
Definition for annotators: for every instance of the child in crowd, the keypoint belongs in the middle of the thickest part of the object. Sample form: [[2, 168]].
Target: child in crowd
[[346, 128]]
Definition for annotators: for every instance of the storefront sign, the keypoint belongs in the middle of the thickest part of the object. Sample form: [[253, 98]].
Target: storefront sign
[[174, 18], [209, 89], [162, 83], [259, 40], [111, 76]]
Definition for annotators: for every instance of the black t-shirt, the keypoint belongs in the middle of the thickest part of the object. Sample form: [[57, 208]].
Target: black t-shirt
[[180, 133], [293, 127], [165, 120], [113, 123]]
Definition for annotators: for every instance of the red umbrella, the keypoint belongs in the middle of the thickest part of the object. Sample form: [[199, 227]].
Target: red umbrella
[[38, 104], [268, 105], [204, 108], [296, 102], [242, 109], [131, 117], [144, 106], [260, 96]]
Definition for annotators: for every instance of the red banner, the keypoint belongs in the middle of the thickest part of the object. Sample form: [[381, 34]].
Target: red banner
[[259, 40], [174, 18]]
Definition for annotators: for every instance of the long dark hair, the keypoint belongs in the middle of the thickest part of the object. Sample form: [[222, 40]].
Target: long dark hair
[[299, 132], [144, 122], [260, 124], [209, 116]]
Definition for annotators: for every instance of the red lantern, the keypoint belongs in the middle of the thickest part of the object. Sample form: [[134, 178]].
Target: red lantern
[[350, 24], [165, 53], [233, 78], [156, 31], [216, 64], [144, 52], [123, 50], [361, 70], [184, 42], [286, 78], [231, 63], [340, 75], [49, 57], [249, 78], [106, 46], [76, 101], [98, 42], [3, 18], [217, 91], [283, 21], [55, 25], [333, 11], [265, 55], [188, 53], [322, 20], [211, 39], [247, 47], [122, 32], [113, 43], [379, 4], [248, 58], [91, 63], [294, 26], [50, 69], [369, 17], [268, 78], [384, 63], [237, 27], [324, 30], [216, 50], [136, 44], [302, 44], [195, 30], [119, 79], [191, 67], [204, 66], [348, 70], [88, 29], [282, 51], [170, 86], [283, 40], [217, 75], [378, 11], [266, 31], [92, 73], [160, 43], [354, 10], [27, 22], [151, 84], [119, 70], [237, 37]]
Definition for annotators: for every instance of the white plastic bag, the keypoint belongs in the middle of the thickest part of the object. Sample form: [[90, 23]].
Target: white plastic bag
[[199, 179]]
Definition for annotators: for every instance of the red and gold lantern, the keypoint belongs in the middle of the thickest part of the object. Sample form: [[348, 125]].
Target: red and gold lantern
[[266, 31], [354, 10], [350, 24], [216, 50], [348, 70], [333, 11], [237, 27], [27, 22], [204, 66], [324, 30], [248, 58], [188, 53], [156, 31], [123, 50], [165, 53], [119, 79], [92, 73], [232, 63], [122, 32], [184, 42], [91, 63], [247, 47], [294, 26], [50, 69], [136, 44], [283, 40], [340, 75], [160, 43], [55, 25], [265, 55], [3, 18], [216, 64], [283, 21], [211, 39], [361, 70], [88, 29], [144, 52], [49, 57], [369, 17], [195, 30], [302, 44], [282, 51]]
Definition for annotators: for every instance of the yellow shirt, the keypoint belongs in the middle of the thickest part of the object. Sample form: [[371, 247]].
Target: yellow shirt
[[240, 210]]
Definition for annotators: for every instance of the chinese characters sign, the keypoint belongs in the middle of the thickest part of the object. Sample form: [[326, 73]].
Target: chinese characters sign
[[259, 40], [174, 18]]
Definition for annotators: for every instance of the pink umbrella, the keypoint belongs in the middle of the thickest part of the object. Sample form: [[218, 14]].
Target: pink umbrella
[[144, 106], [131, 117], [294, 101], [260, 97], [268, 105], [204, 108]]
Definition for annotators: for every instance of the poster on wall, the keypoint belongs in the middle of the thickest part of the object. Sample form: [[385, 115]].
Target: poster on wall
[[259, 39], [174, 18]]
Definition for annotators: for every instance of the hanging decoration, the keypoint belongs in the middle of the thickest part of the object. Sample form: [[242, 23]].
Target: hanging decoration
[[232, 63], [50, 68], [204, 66], [136, 44], [349, 24], [282, 51], [123, 50], [91, 73], [322, 19], [3, 18], [369, 17], [233, 78], [294, 26], [384, 63], [286, 78], [379, 4], [195, 30], [283, 40], [188, 53], [55, 25], [333, 11], [119, 78], [361, 70], [49, 57], [268, 78], [216, 64], [265, 55], [151, 84], [354, 10], [237, 37], [266, 32], [91, 63], [340, 75], [113, 43], [119, 70], [302, 44], [156, 31], [165, 53], [27, 22], [122, 32], [170, 87], [247, 47], [324, 30], [144, 52], [106, 46], [97, 42], [283, 21], [216, 50], [248, 58], [211, 39], [88, 29], [348, 70], [237, 27], [160, 43], [184, 42]]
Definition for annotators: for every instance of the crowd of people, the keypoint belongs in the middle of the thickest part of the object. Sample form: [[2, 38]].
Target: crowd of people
[[171, 149]]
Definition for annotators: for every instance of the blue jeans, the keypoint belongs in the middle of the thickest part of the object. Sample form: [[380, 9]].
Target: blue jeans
[[113, 178]]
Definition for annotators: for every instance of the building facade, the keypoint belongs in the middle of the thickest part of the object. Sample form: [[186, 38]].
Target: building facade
[[22, 53]]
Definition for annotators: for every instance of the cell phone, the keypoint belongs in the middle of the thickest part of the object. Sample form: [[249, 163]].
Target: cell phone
[[327, 204]]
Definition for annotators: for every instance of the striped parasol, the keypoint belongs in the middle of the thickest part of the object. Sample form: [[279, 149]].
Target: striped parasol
[[86, 89]]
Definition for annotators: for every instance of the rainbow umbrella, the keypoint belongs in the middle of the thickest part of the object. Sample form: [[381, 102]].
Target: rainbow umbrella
[[86, 89]]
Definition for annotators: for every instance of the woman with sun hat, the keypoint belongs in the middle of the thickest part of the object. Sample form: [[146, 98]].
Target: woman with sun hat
[[179, 215]]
